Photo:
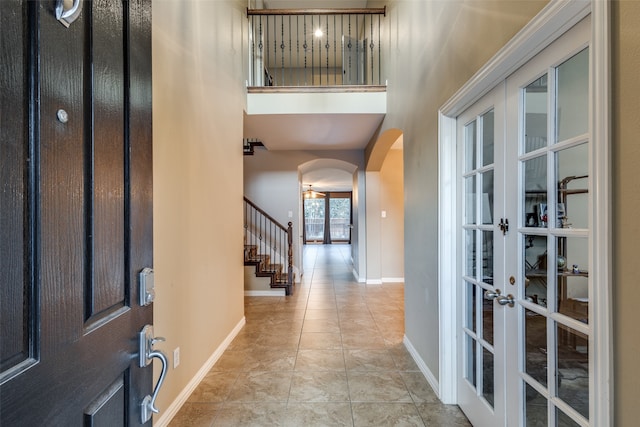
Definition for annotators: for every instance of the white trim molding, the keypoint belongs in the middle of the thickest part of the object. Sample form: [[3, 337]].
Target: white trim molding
[[278, 292], [554, 20], [601, 346], [392, 280], [167, 415]]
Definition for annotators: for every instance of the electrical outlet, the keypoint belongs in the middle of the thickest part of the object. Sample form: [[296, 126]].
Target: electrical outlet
[[176, 357]]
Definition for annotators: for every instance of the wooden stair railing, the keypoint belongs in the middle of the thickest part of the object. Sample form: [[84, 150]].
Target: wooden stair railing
[[268, 246]]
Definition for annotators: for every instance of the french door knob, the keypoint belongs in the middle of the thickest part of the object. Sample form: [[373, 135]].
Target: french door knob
[[506, 300], [491, 295]]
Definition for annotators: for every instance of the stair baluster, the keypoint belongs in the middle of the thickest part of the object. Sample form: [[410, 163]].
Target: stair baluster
[[264, 246]]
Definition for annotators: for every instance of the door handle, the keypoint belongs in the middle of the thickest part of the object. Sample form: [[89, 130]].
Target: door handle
[[491, 295], [506, 300], [147, 354], [66, 17]]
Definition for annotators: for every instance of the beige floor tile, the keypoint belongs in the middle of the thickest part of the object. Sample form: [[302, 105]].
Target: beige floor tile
[[419, 388], [321, 325], [363, 341], [320, 360], [196, 415], [442, 415], [320, 341], [259, 386], [386, 414], [319, 387], [255, 414], [214, 387], [318, 415], [369, 360], [377, 387]]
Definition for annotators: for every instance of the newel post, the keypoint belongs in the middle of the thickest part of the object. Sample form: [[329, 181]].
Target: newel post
[[290, 258]]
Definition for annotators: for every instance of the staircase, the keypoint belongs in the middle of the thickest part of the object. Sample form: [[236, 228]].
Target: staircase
[[268, 247]]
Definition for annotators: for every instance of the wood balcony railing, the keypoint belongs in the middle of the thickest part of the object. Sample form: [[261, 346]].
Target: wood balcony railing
[[315, 47]]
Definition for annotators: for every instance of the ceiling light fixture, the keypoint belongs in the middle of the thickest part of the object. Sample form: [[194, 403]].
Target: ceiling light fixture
[[318, 33], [310, 194]]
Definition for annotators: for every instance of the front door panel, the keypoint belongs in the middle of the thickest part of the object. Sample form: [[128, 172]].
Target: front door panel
[[81, 218]]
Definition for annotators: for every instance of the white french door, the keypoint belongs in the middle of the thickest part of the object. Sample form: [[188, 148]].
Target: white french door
[[481, 393], [525, 193]]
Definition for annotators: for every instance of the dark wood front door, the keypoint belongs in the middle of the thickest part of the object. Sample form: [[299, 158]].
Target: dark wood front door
[[76, 212]]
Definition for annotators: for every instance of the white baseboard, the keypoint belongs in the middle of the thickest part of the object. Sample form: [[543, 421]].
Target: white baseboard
[[357, 277], [431, 379], [374, 282], [393, 280], [172, 410], [280, 292]]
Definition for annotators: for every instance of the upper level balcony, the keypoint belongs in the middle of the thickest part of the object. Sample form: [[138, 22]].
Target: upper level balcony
[[315, 77]]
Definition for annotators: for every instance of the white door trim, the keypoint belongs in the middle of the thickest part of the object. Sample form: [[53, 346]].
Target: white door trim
[[555, 19]]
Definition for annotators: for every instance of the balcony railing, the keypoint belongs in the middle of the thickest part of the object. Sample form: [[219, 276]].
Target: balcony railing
[[315, 47]]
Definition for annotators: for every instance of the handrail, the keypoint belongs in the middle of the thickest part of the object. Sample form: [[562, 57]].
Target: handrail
[[269, 217], [269, 244], [319, 11]]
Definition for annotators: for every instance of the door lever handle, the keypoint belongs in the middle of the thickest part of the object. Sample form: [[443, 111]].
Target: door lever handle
[[66, 17], [148, 405], [147, 354]]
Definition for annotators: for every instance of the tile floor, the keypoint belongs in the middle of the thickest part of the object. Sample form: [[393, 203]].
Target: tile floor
[[330, 355]]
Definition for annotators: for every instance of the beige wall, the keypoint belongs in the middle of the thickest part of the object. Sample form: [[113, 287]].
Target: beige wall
[[626, 206], [392, 226], [197, 114], [432, 49]]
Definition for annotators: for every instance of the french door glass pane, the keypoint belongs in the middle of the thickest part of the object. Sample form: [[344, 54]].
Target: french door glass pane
[[564, 420], [487, 257], [486, 205], [470, 355], [470, 146], [535, 268], [470, 248], [572, 370], [314, 219], [470, 200], [470, 306], [535, 115], [340, 218], [572, 105], [487, 376], [487, 138], [573, 277], [535, 190], [572, 166], [535, 408], [487, 320], [535, 357]]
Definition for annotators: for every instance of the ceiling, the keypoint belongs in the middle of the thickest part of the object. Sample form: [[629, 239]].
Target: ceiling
[[312, 131]]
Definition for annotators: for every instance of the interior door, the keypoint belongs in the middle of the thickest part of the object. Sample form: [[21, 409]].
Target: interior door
[[524, 327], [548, 157], [481, 391], [76, 211]]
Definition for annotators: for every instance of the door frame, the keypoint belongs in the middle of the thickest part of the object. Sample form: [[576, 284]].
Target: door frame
[[552, 21]]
